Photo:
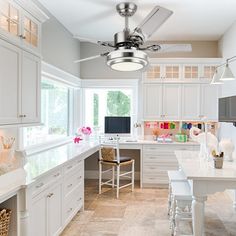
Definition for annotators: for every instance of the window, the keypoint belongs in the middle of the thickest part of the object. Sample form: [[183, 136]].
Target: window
[[55, 114], [106, 102]]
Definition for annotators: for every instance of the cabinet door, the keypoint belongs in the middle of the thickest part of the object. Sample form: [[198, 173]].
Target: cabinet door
[[209, 101], [171, 101], [190, 102], [152, 101], [30, 88], [208, 71], [172, 72], [154, 72], [9, 83], [31, 31], [191, 72], [38, 216], [55, 210], [9, 20]]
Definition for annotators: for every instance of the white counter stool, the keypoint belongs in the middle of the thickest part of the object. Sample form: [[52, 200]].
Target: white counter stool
[[109, 155], [174, 176], [180, 205]]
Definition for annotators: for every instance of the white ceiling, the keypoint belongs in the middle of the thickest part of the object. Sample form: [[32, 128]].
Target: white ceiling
[[192, 19]]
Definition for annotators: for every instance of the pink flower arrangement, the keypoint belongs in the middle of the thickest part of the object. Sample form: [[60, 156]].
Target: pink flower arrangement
[[85, 130]]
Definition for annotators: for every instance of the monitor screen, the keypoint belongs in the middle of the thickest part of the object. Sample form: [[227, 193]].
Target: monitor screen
[[117, 125]]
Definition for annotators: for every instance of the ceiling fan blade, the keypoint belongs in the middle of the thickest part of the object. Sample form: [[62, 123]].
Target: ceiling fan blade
[[174, 48], [153, 21], [91, 58]]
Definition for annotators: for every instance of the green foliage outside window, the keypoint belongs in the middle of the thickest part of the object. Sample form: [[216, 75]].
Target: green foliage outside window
[[118, 104]]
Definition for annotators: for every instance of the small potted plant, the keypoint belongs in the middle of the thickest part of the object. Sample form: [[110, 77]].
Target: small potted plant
[[86, 131], [155, 134], [218, 159]]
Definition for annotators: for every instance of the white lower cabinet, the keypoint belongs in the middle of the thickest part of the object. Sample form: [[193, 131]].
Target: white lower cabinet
[[157, 160], [46, 212], [54, 199]]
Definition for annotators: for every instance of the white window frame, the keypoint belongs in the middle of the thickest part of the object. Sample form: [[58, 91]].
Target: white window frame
[[73, 83], [113, 84]]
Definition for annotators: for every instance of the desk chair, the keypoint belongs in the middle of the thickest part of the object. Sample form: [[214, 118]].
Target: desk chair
[[109, 155]]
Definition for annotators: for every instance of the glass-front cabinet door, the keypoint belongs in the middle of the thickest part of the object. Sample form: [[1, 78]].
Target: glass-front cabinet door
[[9, 18], [208, 71], [30, 30], [191, 72], [171, 72]]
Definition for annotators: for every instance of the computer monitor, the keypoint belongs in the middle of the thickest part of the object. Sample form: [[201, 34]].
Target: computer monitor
[[117, 125]]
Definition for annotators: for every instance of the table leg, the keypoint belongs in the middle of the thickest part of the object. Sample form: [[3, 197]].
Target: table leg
[[198, 205], [234, 202]]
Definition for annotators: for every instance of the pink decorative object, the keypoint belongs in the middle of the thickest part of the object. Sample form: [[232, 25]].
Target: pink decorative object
[[77, 139], [85, 130]]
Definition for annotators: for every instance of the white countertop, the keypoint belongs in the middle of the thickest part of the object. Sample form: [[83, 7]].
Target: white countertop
[[196, 168], [40, 163]]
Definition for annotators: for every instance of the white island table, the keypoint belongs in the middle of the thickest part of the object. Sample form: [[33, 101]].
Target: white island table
[[204, 179]]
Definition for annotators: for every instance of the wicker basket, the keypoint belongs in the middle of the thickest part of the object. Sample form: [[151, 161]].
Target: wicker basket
[[5, 216]]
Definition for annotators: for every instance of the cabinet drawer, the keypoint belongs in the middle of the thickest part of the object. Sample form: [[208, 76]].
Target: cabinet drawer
[[44, 182], [151, 169], [73, 202], [72, 165], [72, 181], [155, 179], [153, 158]]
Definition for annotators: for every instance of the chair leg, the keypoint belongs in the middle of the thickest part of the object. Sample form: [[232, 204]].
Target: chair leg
[[132, 176], [113, 176], [100, 178], [118, 181]]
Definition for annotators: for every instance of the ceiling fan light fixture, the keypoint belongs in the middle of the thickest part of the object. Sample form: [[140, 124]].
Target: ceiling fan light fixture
[[127, 60]]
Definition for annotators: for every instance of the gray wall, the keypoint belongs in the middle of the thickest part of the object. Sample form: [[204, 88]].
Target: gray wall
[[97, 69], [58, 46]]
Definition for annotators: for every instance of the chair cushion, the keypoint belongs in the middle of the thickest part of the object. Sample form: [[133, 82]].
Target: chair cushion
[[122, 160]]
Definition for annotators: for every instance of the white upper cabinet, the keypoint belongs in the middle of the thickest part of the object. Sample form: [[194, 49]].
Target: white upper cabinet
[[19, 86], [152, 101], [30, 88], [10, 60], [171, 102], [209, 102], [181, 69], [171, 72], [20, 27], [190, 102]]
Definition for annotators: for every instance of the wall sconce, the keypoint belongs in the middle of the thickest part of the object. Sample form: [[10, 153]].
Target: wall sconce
[[227, 73]]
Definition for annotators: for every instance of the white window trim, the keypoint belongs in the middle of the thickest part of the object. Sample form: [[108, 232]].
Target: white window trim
[[132, 84], [72, 82]]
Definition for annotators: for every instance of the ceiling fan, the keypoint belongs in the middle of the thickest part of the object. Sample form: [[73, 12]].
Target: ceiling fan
[[129, 50]]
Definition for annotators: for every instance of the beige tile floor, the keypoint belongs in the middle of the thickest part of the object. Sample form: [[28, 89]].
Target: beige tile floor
[[143, 213]]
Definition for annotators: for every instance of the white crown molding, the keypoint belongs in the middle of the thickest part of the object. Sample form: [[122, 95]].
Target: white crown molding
[[33, 9], [101, 83], [59, 75]]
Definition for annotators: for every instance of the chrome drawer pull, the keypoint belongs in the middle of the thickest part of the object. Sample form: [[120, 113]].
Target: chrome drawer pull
[[69, 167], [79, 199], [39, 185], [79, 177], [68, 186]]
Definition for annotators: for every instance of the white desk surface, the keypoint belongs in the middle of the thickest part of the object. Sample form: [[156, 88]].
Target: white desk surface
[[196, 168]]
